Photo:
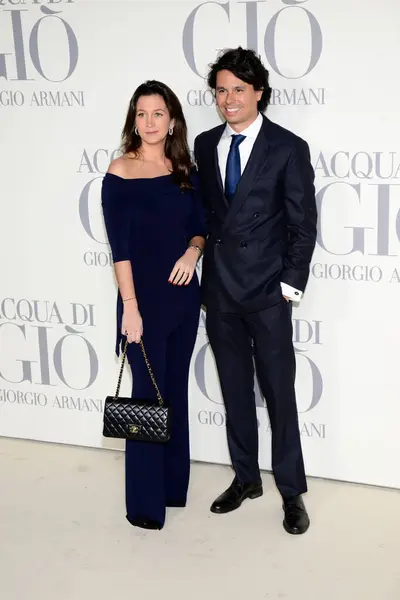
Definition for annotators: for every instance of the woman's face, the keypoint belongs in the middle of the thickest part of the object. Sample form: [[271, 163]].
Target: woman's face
[[152, 119]]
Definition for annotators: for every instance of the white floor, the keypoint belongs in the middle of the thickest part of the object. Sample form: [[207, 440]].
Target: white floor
[[63, 536]]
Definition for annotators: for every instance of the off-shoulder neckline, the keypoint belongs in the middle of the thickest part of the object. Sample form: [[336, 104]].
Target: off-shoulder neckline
[[139, 178]]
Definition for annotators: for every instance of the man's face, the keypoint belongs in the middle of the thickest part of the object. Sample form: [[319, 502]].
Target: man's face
[[236, 100]]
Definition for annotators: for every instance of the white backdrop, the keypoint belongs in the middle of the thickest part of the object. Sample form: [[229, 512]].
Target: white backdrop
[[67, 71]]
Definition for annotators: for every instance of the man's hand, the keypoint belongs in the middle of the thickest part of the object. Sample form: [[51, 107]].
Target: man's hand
[[287, 299]]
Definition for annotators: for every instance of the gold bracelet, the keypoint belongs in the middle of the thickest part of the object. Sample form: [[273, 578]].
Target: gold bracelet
[[200, 251], [127, 299]]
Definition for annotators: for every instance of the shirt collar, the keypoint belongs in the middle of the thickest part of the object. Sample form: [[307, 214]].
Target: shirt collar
[[251, 131]]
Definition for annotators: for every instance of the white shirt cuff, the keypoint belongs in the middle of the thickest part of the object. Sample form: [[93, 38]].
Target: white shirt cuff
[[291, 292]]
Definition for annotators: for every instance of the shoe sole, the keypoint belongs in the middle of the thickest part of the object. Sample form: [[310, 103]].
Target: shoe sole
[[252, 496], [255, 495]]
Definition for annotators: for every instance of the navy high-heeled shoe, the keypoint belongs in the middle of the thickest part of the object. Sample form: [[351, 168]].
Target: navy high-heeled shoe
[[144, 523]]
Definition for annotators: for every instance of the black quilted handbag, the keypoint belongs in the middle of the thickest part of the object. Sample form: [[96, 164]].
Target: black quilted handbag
[[136, 419]]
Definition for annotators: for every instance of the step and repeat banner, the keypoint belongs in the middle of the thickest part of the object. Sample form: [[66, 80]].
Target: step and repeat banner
[[67, 71]]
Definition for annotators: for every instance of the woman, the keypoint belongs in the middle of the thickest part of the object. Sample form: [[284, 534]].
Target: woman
[[155, 227]]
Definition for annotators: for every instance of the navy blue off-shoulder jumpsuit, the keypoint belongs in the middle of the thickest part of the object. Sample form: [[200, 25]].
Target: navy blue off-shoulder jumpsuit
[[149, 222]]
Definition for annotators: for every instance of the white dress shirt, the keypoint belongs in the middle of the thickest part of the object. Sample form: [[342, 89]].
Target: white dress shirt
[[245, 148]]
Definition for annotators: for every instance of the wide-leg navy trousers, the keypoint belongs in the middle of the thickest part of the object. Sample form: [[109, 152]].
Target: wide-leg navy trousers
[[157, 475]]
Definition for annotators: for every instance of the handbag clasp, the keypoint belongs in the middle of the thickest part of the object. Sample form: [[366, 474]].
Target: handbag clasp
[[134, 428]]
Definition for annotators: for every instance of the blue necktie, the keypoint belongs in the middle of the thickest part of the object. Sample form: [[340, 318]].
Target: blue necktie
[[233, 171]]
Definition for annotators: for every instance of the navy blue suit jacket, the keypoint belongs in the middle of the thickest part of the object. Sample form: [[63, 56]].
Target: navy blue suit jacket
[[267, 233]]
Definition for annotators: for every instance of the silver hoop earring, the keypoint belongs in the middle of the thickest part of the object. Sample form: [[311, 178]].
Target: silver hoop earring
[[136, 131], [171, 130]]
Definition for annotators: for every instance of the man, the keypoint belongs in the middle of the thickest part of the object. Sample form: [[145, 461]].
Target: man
[[258, 187]]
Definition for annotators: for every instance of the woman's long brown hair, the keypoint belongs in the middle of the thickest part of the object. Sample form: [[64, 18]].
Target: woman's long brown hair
[[176, 146]]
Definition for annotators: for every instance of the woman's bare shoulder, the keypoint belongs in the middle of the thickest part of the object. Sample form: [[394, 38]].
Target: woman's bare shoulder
[[123, 166]]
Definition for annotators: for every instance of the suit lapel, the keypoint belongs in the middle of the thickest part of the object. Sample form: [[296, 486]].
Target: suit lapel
[[255, 165], [218, 175], [222, 202]]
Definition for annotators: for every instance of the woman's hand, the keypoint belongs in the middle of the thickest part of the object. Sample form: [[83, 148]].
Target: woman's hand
[[183, 271], [132, 324]]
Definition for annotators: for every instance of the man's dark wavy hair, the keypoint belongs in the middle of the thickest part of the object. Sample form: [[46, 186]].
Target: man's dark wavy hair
[[245, 65]]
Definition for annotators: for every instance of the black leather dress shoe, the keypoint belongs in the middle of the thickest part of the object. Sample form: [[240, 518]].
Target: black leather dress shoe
[[233, 497], [296, 519]]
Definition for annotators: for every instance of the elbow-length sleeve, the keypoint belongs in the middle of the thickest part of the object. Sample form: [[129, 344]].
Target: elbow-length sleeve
[[116, 216], [196, 225]]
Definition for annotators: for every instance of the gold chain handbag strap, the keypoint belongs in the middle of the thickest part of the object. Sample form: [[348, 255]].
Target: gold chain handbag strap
[[159, 397]]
